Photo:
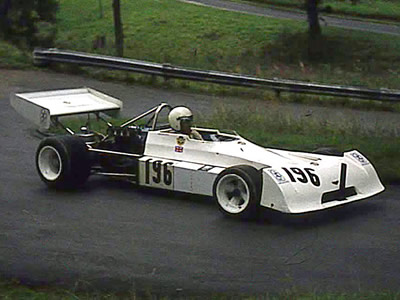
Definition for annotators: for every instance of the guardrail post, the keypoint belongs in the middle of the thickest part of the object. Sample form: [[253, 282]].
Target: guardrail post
[[165, 69]]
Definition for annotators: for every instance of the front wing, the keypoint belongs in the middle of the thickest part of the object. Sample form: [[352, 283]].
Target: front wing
[[324, 183]]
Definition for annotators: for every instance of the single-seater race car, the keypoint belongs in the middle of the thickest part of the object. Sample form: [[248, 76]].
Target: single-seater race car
[[153, 150]]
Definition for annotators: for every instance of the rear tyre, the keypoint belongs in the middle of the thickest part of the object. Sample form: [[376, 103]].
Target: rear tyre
[[63, 162], [237, 191]]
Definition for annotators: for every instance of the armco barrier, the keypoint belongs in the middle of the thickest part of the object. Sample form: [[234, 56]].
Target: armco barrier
[[45, 56]]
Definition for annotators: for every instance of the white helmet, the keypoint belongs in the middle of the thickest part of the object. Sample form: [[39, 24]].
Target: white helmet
[[178, 114]]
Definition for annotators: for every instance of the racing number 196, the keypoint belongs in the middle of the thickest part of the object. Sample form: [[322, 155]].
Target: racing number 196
[[159, 169], [301, 176]]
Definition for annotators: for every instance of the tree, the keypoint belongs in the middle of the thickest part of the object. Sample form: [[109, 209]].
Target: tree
[[119, 35], [28, 22], [4, 9], [313, 18]]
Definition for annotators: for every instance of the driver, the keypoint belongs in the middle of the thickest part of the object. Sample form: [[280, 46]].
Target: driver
[[181, 119]]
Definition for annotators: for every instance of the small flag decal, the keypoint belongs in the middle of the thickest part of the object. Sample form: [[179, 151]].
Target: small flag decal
[[178, 149]]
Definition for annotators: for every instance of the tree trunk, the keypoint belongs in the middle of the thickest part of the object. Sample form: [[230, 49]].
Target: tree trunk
[[4, 8], [314, 30], [119, 35], [313, 19]]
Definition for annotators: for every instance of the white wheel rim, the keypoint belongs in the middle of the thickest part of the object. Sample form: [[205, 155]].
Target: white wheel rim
[[233, 193], [49, 162]]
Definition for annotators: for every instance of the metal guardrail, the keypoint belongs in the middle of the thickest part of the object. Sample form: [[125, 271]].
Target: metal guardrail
[[45, 56]]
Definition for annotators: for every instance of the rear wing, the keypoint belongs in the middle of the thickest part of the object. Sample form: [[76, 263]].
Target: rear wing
[[43, 107]]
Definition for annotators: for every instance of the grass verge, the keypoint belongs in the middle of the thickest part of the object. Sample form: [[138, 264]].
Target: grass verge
[[205, 38], [13, 290], [12, 57], [372, 9]]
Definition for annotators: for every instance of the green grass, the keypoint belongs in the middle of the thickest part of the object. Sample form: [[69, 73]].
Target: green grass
[[204, 38], [375, 9], [13, 290], [170, 31], [12, 57]]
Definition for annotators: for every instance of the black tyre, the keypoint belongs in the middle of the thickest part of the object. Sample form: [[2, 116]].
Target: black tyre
[[63, 162], [328, 151], [237, 191]]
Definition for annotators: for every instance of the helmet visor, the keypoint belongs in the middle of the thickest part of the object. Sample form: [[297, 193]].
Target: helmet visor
[[185, 119]]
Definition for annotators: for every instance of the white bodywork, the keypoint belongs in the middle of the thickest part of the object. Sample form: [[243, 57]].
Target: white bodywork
[[40, 107], [292, 182]]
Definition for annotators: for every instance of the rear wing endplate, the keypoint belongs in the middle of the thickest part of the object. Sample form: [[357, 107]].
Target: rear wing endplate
[[41, 107]]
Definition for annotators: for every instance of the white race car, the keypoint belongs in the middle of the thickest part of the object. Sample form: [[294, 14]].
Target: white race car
[[147, 151]]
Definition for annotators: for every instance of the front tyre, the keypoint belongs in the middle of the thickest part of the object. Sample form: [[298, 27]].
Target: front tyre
[[237, 192], [63, 162]]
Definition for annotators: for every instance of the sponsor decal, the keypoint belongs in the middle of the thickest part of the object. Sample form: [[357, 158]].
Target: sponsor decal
[[361, 159], [43, 115], [179, 149], [180, 140], [278, 176]]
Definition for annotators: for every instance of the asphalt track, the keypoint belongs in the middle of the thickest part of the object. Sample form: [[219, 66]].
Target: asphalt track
[[114, 236], [249, 8]]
